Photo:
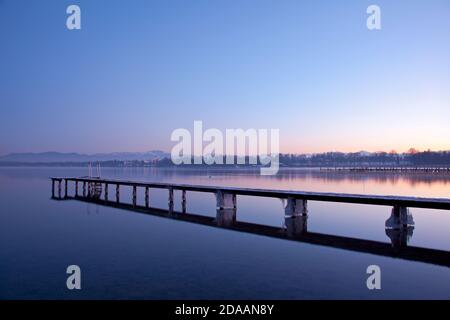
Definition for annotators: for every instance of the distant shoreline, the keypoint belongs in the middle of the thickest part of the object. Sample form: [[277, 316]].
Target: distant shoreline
[[439, 168], [362, 160]]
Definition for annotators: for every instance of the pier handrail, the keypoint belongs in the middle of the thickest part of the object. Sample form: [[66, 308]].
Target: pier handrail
[[383, 200]]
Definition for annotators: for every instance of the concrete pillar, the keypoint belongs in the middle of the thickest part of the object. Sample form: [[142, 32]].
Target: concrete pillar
[[147, 200], [53, 188], [296, 207], [296, 216], [399, 226], [296, 225], [400, 218], [106, 192], [134, 195], [76, 188], [225, 200], [170, 200], [117, 193], [89, 189], [65, 188], [183, 201], [226, 217]]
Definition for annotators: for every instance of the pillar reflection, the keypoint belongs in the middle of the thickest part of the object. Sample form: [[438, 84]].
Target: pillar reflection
[[226, 217]]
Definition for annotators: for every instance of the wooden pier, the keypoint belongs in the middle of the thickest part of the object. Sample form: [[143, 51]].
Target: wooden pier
[[398, 227]]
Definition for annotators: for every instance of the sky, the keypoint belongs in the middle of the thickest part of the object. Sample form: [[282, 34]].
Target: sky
[[137, 70]]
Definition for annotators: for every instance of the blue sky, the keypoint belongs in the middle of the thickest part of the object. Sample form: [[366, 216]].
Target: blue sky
[[137, 70]]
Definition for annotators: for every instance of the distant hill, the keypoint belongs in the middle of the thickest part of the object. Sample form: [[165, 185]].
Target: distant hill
[[49, 157]]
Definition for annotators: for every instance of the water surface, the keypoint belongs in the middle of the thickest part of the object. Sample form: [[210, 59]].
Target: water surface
[[127, 255]]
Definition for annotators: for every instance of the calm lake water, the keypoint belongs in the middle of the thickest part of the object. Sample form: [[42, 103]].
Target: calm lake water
[[127, 255]]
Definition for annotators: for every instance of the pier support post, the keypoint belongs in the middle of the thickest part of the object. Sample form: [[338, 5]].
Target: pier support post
[[53, 188], [84, 188], [59, 189], [76, 189], [147, 200], [65, 188], [225, 200], [400, 217], [296, 207], [117, 193], [89, 189], [296, 217], [183, 201], [400, 226], [296, 225], [226, 208], [106, 192], [170, 200], [134, 196]]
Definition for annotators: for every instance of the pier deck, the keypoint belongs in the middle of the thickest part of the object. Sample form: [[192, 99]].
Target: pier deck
[[411, 202]]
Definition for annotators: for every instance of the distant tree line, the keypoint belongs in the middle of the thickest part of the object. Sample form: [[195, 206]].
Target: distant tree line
[[361, 159], [356, 159], [329, 159]]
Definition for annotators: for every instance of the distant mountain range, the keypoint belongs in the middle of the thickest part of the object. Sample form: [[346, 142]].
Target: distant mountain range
[[57, 157]]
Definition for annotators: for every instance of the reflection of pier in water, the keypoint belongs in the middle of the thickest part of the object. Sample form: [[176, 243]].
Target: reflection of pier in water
[[399, 226]]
